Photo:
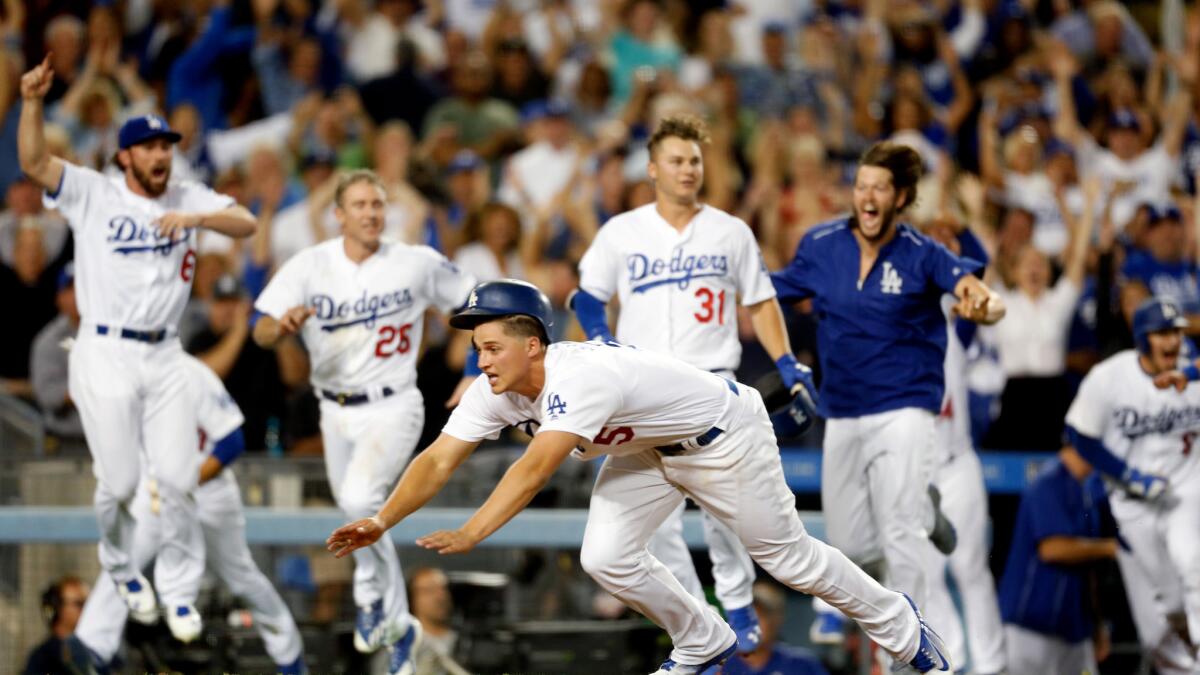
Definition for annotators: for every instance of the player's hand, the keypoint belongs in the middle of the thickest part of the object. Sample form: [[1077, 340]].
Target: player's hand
[[463, 385], [448, 541], [1171, 378], [35, 84], [174, 221], [797, 378], [1143, 485], [359, 534], [294, 318]]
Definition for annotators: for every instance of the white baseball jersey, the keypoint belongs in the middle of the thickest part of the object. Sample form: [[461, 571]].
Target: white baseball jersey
[[369, 316], [217, 416], [624, 399], [126, 275], [678, 291], [1151, 429]]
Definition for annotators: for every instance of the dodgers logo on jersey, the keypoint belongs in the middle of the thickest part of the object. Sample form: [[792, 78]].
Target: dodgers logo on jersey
[[366, 309], [1135, 424], [555, 406], [131, 236], [891, 281], [646, 273]]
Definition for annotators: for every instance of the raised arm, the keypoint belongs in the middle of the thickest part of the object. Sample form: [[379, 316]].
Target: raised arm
[[1063, 66], [524, 479], [36, 161], [1075, 263], [423, 479]]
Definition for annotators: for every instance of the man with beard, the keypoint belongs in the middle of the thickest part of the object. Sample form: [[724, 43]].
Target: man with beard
[[134, 264], [876, 286]]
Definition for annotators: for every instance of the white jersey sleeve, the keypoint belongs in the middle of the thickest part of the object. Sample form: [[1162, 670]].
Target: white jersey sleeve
[[199, 198], [77, 187], [286, 289], [479, 414], [1092, 408], [217, 415], [600, 267], [448, 286], [753, 280]]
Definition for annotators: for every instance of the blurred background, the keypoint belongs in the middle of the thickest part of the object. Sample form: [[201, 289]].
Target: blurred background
[[508, 132]]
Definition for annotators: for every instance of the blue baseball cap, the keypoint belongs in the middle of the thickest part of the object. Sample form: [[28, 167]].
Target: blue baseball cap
[[1160, 212], [1057, 146], [464, 160], [536, 110], [1124, 119], [144, 128], [66, 276]]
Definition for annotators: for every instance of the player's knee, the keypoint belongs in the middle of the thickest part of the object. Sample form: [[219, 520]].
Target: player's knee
[[603, 563], [112, 492]]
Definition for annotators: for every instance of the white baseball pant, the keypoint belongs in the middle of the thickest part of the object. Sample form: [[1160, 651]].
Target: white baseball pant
[[874, 475], [739, 480], [964, 503], [1033, 652], [1171, 654], [1165, 540], [732, 568], [366, 448], [131, 397], [223, 521]]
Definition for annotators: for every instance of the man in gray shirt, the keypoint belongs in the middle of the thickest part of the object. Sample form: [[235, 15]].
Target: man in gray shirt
[[48, 363]]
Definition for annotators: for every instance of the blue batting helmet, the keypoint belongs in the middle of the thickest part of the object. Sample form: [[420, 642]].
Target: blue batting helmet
[[505, 297], [1153, 315]]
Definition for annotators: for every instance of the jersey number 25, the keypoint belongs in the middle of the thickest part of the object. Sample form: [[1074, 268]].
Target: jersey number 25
[[393, 340]]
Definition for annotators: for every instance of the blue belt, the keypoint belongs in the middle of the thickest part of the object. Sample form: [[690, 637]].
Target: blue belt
[[342, 398], [701, 440], [148, 336]]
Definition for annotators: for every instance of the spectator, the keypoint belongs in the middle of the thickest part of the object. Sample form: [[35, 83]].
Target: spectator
[[535, 177], [641, 46], [62, 604], [494, 243], [431, 603], [64, 39], [772, 657], [48, 363], [285, 77], [379, 95], [375, 37], [284, 231], [28, 285], [255, 377], [1032, 341], [477, 122], [1101, 32], [1161, 261], [24, 209], [591, 100], [518, 79], [773, 87], [467, 187], [1047, 599], [195, 76]]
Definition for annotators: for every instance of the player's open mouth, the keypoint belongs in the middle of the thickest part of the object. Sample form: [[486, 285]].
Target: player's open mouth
[[159, 172], [493, 379], [868, 214]]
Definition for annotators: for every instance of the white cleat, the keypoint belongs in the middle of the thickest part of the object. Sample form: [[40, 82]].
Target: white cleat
[[184, 622], [139, 597]]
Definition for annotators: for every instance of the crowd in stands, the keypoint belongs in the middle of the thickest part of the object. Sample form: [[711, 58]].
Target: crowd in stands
[[1063, 133]]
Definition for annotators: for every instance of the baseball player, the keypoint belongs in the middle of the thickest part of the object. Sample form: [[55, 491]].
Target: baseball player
[[876, 286], [223, 521], [1141, 436], [358, 303], [134, 263], [678, 268], [670, 430]]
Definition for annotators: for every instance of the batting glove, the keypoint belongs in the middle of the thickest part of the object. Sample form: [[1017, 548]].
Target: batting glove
[[1143, 485], [798, 379]]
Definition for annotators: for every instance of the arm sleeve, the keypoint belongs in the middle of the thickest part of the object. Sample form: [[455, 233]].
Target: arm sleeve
[[230, 447], [1096, 454], [285, 290], [477, 416], [203, 199], [589, 310], [753, 280], [449, 285], [973, 249], [76, 190], [798, 280], [945, 268], [599, 268]]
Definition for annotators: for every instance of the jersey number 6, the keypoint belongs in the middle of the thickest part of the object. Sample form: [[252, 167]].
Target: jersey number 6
[[706, 303], [393, 340]]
